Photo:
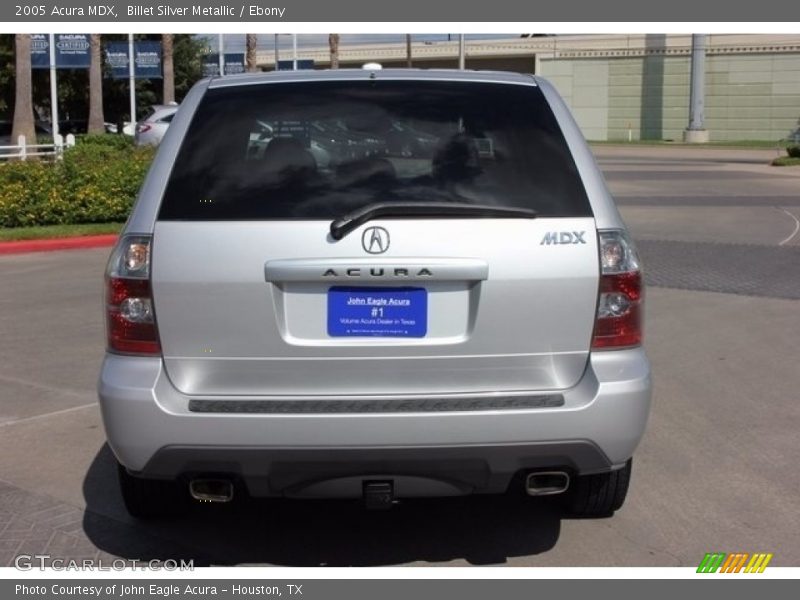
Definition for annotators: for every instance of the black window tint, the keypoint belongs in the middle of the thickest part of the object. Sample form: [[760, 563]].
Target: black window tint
[[319, 150]]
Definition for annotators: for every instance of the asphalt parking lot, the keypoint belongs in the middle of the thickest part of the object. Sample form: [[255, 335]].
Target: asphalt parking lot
[[718, 231]]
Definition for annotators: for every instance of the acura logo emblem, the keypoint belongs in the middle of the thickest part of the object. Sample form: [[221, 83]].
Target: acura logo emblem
[[375, 240]]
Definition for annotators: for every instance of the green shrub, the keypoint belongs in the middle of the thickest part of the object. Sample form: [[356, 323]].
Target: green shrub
[[96, 182], [794, 150], [111, 140], [786, 161]]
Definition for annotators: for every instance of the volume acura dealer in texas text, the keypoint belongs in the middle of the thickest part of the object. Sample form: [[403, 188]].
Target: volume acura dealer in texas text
[[223, 10]]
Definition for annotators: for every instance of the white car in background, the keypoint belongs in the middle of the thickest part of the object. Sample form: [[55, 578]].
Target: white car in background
[[127, 128], [151, 129]]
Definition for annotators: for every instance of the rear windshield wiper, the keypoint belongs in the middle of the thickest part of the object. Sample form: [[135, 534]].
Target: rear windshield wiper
[[343, 225]]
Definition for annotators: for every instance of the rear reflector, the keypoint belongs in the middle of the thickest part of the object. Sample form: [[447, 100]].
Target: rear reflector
[[619, 306], [130, 320]]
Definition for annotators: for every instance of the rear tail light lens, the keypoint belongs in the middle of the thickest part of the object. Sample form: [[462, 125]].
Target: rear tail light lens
[[131, 323], [143, 127], [619, 307]]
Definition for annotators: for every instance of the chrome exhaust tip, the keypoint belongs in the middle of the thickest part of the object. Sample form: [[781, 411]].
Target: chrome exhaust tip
[[211, 490], [546, 483]]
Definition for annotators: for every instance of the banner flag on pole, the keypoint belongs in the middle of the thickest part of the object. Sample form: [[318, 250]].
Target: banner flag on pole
[[234, 63], [146, 58], [302, 63], [72, 51]]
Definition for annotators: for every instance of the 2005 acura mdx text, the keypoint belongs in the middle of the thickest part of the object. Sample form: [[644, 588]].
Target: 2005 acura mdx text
[[447, 302]]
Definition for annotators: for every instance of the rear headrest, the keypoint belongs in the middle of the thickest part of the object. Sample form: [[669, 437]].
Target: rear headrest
[[457, 159], [286, 154]]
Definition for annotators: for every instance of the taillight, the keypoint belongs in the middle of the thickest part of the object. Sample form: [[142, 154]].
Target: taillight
[[131, 324], [619, 307], [143, 127]]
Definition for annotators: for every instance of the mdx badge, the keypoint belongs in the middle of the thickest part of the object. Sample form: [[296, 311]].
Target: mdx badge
[[375, 240], [563, 237]]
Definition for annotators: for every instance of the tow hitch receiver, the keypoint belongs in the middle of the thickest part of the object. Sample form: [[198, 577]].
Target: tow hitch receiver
[[378, 495]]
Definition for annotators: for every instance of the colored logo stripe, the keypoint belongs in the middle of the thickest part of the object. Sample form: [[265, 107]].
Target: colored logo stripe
[[711, 562], [734, 562], [758, 563]]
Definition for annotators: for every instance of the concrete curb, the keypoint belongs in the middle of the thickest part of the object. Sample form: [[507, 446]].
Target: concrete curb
[[46, 245]]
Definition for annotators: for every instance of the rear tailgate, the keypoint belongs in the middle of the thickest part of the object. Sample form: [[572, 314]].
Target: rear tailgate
[[254, 297], [243, 308]]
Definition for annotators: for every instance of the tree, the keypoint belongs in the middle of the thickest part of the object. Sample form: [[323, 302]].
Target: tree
[[251, 43], [333, 44], [6, 75], [189, 51], [24, 123], [96, 119], [74, 84], [168, 69], [408, 50]]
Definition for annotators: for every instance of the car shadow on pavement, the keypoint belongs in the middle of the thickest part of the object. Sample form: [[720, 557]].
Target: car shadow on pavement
[[480, 530]]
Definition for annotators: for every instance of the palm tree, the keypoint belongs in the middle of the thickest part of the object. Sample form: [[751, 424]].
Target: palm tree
[[251, 43], [24, 123], [333, 44], [408, 50], [96, 117], [167, 42]]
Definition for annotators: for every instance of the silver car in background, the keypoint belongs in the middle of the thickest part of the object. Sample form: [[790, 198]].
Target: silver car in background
[[448, 304], [151, 129]]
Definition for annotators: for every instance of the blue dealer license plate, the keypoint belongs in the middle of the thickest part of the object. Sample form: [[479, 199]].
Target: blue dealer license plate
[[377, 312]]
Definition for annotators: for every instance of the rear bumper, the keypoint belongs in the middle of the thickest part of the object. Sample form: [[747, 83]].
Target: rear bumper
[[153, 432]]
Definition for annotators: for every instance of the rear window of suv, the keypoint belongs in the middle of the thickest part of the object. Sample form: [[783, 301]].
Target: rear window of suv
[[318, 150]]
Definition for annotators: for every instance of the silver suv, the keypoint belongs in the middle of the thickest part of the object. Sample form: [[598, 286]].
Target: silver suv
[[448, 304]]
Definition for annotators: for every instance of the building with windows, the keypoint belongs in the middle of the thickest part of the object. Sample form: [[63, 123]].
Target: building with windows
[[624, 87]]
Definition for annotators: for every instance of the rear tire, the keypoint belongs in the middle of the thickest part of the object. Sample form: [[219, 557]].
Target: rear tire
[[599, 495], [151, 498]]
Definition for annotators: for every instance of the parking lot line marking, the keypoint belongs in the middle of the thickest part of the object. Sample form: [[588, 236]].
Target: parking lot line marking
[[43, 386], [796, 226], [45, 415]]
